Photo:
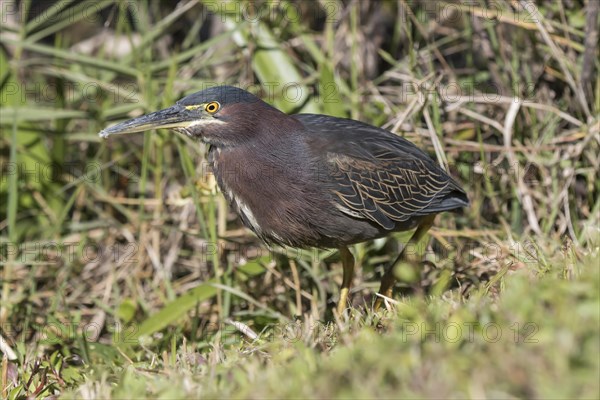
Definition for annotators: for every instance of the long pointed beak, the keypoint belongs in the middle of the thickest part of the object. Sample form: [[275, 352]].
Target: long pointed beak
[[172, 117]]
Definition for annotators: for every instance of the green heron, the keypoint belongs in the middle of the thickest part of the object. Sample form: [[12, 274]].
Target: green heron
[[311, 180]]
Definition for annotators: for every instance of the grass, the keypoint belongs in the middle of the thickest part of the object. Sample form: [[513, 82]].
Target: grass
[[536, 337], [124, 274]]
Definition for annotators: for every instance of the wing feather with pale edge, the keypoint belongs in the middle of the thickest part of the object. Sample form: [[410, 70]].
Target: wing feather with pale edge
[[377, 175], [387, 190]]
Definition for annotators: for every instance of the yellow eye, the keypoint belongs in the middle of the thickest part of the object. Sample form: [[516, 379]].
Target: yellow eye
[[212, 107]]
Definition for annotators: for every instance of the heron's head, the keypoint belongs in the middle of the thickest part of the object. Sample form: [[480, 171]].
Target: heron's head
[[222, 116]]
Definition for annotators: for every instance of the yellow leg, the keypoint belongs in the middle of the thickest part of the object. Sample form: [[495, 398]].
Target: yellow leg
[[389, 280], [348, 266]]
